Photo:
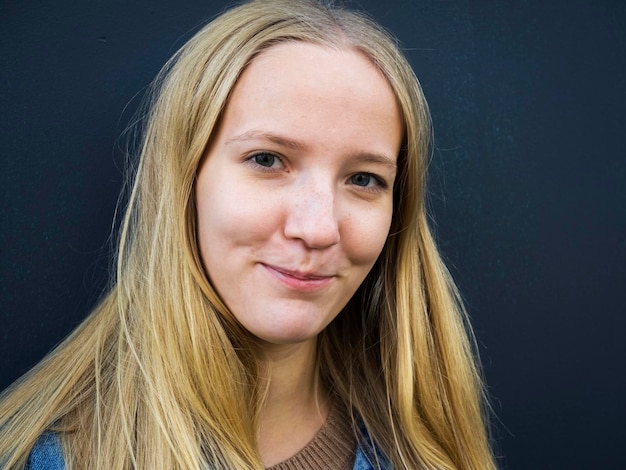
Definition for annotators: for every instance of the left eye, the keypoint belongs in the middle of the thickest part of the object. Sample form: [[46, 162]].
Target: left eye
[[363, 179]]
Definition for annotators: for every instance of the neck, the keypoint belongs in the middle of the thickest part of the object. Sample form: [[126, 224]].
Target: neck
[[295, 407]]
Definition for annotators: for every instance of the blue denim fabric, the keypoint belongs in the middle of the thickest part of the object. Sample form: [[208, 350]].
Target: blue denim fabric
[[367, 460], [47, 455]]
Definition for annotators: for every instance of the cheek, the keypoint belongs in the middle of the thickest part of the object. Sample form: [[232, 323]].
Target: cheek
[[230, 218], [214, 219], [365, 236]]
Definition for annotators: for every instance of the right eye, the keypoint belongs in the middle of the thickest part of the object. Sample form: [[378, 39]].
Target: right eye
[[266, 160]]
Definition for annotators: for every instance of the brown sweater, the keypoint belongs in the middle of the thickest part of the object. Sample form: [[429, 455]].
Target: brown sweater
[[332, 448]]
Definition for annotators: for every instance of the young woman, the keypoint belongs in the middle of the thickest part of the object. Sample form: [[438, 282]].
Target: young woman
[[279, 300]]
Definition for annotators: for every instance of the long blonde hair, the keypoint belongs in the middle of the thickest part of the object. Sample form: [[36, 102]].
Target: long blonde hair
[[160, 375]]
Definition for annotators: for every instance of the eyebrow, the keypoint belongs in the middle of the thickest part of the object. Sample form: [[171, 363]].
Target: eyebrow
[[376, 158], [255, 134]]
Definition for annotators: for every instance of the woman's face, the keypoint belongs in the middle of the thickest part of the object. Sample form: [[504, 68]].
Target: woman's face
[[295, 194]]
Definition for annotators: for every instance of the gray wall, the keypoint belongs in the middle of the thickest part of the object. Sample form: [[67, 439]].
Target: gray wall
[[527, 188]]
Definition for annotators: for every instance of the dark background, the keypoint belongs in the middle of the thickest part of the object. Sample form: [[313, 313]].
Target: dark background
[[528, 188]]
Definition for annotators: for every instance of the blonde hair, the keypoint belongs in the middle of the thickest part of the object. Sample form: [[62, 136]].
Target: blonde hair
[[160, 375]]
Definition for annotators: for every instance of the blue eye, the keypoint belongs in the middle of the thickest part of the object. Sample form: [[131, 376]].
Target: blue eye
[[362, 179], [367, 180], [264, 159]]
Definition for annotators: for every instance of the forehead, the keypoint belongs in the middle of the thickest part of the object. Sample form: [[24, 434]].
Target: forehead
[[319, 66], [314, 91]]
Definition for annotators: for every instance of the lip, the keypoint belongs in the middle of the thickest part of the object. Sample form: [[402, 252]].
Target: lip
[[297, 280]]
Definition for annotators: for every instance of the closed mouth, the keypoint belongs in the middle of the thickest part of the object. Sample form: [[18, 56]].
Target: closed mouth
[[299, 274], [299, 280]]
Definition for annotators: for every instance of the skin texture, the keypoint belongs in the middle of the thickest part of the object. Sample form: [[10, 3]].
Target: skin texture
[[288, 235], [294, 200]]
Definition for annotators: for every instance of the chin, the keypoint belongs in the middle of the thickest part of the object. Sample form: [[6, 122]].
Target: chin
[[285, 323], [287, 334]]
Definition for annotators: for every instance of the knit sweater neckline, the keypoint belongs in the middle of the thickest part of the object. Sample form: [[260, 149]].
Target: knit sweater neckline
[[333, 447]]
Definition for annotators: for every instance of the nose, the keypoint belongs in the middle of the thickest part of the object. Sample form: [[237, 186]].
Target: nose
[[312, 217]]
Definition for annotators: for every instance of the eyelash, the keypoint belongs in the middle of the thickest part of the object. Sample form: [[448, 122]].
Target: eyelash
[[381, 184], [251, 159]]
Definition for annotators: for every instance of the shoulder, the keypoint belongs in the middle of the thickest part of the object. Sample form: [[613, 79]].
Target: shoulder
[[46, 453], [366, 460], [368, 455]]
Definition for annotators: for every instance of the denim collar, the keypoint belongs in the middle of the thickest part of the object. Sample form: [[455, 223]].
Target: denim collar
[[47, 454]]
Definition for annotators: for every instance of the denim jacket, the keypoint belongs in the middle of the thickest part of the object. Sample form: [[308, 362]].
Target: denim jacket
[[47, 455]]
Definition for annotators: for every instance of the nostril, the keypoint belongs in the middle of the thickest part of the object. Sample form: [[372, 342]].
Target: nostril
[[314, 222]]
